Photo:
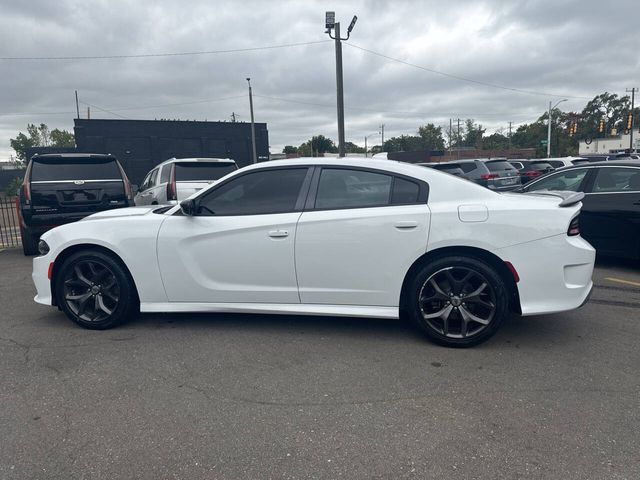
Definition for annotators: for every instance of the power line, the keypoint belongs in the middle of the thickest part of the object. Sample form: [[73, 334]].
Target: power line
[[169, 54], [123, 109], [103, 110], [464, 79], [418, 114]]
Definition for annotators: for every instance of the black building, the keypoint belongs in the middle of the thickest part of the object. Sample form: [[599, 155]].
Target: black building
[[142, 144]]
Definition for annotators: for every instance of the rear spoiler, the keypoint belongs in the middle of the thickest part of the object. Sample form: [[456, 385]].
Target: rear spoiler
[[568, 197]]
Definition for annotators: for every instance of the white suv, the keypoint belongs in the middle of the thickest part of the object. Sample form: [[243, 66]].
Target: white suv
[[178, 178]]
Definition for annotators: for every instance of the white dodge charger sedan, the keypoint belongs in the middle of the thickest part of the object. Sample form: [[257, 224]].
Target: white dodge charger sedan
[[318, 236]]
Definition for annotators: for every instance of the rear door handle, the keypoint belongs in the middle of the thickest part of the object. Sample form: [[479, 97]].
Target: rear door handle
[[406, 225], [278, 233]]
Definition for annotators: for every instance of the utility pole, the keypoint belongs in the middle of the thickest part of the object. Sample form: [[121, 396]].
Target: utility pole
[[88, 113], [510, 135], [458, 141], [549, 126], [382, 133], [233, 117], [77, 107], [633, 95], [253, 125], [331, 24], [450, 136]]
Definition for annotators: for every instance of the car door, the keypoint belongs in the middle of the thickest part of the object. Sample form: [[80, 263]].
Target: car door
[[359, 234], [239, 245], [610, 217]]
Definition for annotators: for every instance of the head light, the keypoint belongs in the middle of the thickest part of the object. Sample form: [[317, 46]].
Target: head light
[[43, 247]]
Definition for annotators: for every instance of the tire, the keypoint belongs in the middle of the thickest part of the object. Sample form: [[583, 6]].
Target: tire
[[457, 301], [95, 290], [29, 241]]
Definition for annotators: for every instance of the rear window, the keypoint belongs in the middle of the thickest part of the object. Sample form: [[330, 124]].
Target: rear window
[[59, 169], [499, 166], [201, 171], [541, 165], [447, 166]]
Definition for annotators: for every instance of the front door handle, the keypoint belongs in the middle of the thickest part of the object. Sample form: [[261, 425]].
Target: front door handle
[[278, 233], [406, 225]]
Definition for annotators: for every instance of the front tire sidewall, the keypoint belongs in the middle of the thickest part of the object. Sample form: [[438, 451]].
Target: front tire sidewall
[[127, 304], [421, 276]]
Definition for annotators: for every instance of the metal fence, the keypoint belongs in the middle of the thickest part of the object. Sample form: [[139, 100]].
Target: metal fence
[[9, 224]]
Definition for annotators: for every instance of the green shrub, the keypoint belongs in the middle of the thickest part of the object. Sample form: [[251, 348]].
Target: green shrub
[[12, 188]]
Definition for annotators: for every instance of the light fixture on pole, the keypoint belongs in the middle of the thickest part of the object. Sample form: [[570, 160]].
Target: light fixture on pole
[[365, 142], [254, 158], [331, 24], [549, 126]]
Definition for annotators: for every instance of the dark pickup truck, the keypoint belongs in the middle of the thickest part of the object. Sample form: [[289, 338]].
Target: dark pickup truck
[[63, 188]]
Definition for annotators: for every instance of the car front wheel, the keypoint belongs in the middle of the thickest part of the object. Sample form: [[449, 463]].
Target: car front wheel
[[95, 290], [457, 301]]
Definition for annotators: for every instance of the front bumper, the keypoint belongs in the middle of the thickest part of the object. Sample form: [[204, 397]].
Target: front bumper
[[555, 273], [40, 277]]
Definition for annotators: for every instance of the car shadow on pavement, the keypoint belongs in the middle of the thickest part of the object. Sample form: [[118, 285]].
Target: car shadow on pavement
[[516, 330]]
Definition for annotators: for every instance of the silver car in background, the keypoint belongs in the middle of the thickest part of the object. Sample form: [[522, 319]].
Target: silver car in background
[[178, 178]]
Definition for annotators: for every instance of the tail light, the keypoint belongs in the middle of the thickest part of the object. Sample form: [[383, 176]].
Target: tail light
[[574, 228], [26, 186], [532, 173], [127, 183], [489, 176], [171, 186]]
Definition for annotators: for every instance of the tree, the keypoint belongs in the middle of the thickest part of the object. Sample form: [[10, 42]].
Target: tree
[[40, 136], [431, 136], [317, 145], [472, 134], [608, 107], [351, 147], [289, 149]]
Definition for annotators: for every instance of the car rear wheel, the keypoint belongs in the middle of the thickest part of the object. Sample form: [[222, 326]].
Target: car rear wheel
[[95, 290], [457, 301]]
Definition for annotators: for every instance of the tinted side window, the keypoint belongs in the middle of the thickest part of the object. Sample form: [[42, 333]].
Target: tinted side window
[[145, 182], [342, 188], [269, 191], [165, 173], [404, 191], [467, 166], [617, 180], [569, 180], [154, 177]]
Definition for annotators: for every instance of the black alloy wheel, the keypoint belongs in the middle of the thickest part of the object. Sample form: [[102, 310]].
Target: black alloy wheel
[[458, 301], [95, 290]]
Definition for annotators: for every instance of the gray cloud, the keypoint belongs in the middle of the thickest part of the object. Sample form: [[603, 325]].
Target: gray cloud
[[578, 48]]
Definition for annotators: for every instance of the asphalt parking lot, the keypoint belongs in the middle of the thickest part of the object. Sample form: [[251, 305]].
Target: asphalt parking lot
[[237, 396]]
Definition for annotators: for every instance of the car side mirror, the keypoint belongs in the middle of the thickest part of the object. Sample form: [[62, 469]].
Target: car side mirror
[[189, 206], [134, 188]]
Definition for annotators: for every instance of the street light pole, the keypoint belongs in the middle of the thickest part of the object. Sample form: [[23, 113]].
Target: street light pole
[[331, 24], [253, 125], [549, 126], [365, 143]]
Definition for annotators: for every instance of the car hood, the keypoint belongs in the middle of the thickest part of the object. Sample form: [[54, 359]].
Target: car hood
[[122, 212]]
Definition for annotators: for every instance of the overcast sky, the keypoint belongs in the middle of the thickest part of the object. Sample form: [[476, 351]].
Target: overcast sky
[[557, 48]]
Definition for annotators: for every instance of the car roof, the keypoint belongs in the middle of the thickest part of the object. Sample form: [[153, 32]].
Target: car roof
[[72, 155], [197, 159], [610, 163], [392, 166]]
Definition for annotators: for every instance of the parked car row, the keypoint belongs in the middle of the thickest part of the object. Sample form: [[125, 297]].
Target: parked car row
[[63, 188]]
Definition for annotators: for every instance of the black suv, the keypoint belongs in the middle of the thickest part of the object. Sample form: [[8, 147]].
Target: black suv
[[63, 188]]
